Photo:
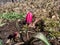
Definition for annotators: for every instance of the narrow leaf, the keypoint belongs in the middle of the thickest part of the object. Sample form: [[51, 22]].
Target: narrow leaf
[[42, 37]]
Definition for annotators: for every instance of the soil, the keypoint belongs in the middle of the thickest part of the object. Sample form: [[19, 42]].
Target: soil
[[39, 10], [6, 30], [27, 38]]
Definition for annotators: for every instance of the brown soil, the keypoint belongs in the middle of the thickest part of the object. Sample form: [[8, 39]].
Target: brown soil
[[10, 28], [6, 30]]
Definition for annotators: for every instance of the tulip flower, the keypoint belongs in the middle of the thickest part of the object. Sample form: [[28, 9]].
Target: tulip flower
[[29, 18]]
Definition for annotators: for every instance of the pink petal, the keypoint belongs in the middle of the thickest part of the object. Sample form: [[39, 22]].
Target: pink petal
[[29, 17]]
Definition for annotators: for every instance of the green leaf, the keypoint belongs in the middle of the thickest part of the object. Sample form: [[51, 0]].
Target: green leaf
[[1, 42], [42, 37], [12, 16]]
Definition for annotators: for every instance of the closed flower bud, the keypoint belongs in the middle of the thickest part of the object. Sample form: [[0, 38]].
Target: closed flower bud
[[29, 18]]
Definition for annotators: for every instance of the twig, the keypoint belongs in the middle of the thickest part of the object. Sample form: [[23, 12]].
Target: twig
[[19, 43]]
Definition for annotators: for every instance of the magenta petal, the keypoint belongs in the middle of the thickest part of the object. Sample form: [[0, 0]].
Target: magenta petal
[[29, 17]]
